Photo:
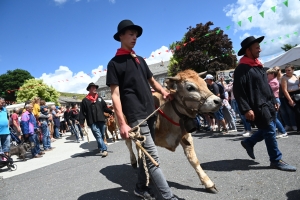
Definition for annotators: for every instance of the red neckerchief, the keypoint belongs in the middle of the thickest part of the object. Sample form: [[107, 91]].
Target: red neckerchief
[[75, 111], [92, 97], [250, 62], [127, 52]]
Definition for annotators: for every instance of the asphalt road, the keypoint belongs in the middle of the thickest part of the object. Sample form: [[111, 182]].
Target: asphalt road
[[87, 176]]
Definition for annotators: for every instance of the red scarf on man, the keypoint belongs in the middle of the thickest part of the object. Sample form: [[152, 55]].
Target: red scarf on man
[[92, 97], [250, 62], [122, 51]]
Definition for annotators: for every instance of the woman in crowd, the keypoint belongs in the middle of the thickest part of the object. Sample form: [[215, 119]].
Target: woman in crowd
[[291, 90], [74, 117], [286, 113], [274, 84]]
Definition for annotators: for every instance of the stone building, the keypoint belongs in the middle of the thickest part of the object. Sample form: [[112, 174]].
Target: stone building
[[159, 71]]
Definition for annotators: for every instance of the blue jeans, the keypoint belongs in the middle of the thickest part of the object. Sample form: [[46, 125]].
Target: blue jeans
[[46, 135], [5, 143], [278, 123], [79, 128], [219, 114], [35, 144], [56, 132], [74, 131], [147, 129], [247, 125], [287, 113], [98, 130], [269, 135]]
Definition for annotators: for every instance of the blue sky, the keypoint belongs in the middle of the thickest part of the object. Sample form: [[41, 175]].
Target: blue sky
[[55, 39]]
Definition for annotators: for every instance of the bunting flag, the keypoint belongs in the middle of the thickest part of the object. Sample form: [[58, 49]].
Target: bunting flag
[[288, 35], [177, 47], [273, 8], [272, 40], [218, 31], [240, 23], [262, 14], [279, 38], [286, 3], [207, 34], [296, 33], [227, 27], [192, 39], [250, 19]]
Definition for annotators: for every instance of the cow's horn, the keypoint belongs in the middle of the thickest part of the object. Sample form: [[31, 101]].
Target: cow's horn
[[202, 73], [175, 78]]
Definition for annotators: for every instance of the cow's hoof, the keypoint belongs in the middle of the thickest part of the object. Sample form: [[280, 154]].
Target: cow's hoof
[[212, 189], [134, 165]]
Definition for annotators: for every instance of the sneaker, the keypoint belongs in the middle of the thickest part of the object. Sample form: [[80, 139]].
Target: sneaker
[[82, 138], [288, 128], [247, 134], [281, 165], [145, 193], [249, 149], [282, 135], [41, 153], [77, 141], [37, 156], [104, 154], [294, 128], [224, 131]]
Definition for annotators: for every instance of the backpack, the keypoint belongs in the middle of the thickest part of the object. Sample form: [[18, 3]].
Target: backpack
[[221, 91]]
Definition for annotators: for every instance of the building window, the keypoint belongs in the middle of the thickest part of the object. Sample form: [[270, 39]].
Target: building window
[[161, 81], [102, 93]]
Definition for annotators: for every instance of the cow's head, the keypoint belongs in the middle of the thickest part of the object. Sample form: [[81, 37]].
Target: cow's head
[[192, 93]]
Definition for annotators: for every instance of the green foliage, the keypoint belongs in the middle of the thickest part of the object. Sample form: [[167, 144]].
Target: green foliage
[[287, 47], [12, 80], [36, 88], [210, 51]]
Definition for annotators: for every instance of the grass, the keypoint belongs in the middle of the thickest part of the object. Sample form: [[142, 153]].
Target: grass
[[78, 96]]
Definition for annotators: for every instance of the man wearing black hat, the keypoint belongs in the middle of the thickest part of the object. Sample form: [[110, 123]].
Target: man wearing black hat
[[128, 77], [256, 101], [92, 110]]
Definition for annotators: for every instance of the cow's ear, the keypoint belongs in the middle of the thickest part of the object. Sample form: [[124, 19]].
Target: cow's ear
[[170, 83]]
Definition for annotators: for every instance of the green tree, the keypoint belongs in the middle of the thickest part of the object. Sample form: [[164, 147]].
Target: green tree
[[287, 47], [11, 81], [36, 88], [202, 49]]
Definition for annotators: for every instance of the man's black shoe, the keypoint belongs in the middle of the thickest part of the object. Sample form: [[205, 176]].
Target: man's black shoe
[[249, 149], [145, 193]]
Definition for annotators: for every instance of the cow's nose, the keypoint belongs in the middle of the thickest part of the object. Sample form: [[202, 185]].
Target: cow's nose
[[217, 101]]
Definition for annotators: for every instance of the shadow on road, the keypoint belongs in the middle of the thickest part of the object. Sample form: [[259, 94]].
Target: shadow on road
[[232, 165], [293, 195], [125, 177]]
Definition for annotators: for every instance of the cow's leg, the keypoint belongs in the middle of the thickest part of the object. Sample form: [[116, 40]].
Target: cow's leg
[[132, 155], [188, 147]]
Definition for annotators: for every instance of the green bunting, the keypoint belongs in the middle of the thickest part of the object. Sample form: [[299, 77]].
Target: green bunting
[[262, 14], [288, 35], [240, 23], [272, 40], [250, 19], [286, 3], [273, 8], [218, 31], [296, 33], [227, 27], [207, 34], [279, 38]]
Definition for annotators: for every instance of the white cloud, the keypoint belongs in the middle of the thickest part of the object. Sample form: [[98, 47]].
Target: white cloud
[[60, 1], [64, 80], [161, 54], [274, 25]]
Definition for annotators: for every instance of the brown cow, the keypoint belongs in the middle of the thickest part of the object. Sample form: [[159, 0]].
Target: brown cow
[[112, 127], [191, 96]]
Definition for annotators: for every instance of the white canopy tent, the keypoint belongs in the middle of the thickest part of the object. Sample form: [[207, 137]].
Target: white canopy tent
[[291, 57], [21, 105]]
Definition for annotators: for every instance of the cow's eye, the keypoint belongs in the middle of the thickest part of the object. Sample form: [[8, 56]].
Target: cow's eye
[[190, 88]]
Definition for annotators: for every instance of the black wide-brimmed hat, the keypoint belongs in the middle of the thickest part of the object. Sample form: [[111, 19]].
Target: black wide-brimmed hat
[[90, 85], [246, 43], [127, 24]]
